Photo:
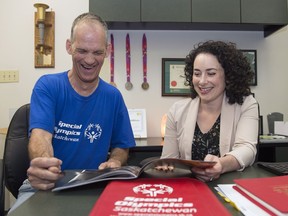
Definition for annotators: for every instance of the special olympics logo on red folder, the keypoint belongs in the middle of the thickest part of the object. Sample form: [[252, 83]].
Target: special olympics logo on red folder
[[152, 190]]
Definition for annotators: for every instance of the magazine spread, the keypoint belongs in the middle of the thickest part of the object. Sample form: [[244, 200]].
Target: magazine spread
[[75, 178]]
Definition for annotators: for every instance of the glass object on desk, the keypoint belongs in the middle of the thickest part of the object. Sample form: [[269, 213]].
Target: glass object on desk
[[163, 125]]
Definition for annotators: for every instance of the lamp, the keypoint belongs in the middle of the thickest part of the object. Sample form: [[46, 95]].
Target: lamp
[[44, 36], [163, 125]]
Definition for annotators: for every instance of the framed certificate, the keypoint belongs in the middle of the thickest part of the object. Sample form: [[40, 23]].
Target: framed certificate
[[173, 77], [138, 122]]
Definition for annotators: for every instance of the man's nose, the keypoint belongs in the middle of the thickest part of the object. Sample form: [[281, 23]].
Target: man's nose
[[90, 58]]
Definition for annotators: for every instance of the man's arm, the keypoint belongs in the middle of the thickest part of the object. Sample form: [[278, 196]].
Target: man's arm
[[119, 154], [118, 158], [44, 169], [40, 144]]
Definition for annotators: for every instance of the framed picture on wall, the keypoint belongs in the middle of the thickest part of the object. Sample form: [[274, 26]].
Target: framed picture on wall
[[173, 77], [251, 55]]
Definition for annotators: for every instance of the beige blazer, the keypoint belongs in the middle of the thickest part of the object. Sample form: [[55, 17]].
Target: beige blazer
[[238, 129]]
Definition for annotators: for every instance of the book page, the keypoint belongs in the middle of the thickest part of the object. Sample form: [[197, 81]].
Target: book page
[[74, 178], [179, 163]]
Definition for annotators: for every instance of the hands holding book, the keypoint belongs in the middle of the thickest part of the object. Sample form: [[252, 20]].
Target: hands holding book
[[210, 173], [203, 173], [222, 165], [44, 172], [207, 173]]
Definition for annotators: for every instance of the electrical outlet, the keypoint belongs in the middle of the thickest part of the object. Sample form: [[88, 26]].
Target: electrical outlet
[[9, 76]]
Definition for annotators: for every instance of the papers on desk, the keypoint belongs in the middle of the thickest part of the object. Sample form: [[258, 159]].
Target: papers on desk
[[247, 207], [281, 127], [271, 137]]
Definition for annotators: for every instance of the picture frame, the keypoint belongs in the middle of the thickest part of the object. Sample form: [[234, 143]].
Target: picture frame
[[251, 55], [138, 122], [173, 77]]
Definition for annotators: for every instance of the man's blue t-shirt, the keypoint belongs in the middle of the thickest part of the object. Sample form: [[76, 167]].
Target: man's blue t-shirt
[[83, 128]]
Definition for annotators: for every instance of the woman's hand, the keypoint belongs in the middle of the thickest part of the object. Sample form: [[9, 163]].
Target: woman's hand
[[208, 174], [164, 167]]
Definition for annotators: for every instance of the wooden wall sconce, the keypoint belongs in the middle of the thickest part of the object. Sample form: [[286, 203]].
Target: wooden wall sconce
[[44, 37]]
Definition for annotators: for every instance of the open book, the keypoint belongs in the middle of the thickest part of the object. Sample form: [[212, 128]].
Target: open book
[[75, 178]]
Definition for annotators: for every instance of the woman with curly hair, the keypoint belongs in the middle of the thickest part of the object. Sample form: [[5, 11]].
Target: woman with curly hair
[[220, 120]]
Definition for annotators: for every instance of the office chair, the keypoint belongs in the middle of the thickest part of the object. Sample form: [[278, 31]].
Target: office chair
[[271, 118], [15, 159]]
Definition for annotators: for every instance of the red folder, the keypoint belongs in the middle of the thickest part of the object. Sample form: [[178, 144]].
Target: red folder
[[154, 196], [271, 192]]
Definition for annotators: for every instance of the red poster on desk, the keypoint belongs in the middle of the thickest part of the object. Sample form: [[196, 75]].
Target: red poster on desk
[[152, 196]]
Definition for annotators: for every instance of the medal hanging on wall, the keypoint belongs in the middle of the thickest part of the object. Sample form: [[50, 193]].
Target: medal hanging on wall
[[145, 84], [128, 84], [112, 61]]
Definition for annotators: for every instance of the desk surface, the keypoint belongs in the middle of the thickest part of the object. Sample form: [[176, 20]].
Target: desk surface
[[159, 142], [274, 142], [79, 201]]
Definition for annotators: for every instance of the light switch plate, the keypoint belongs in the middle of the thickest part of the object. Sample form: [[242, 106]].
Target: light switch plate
[[7, 76]]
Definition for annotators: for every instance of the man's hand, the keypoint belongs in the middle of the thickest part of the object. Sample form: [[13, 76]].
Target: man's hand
[[118, 158], [44, 172], [111, 163]]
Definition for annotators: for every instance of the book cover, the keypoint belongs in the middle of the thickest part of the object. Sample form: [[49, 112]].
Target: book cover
[[156, 196], [271, 192], [75, 178]]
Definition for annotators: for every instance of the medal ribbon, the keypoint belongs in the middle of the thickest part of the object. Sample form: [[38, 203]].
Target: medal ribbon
[[128, 58], [144, 53], [112, 59]]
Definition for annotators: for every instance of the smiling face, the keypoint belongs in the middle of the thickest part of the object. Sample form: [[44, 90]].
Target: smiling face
[[88, 49], [208, 78]]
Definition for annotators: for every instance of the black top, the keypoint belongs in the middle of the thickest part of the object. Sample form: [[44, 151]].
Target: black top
[[207, 143]]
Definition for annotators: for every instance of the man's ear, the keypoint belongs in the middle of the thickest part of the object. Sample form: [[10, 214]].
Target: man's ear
[[108, 50], [69, 46]]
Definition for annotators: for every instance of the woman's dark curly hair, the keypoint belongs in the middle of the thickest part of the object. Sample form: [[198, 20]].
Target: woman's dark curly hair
[[238, 72]]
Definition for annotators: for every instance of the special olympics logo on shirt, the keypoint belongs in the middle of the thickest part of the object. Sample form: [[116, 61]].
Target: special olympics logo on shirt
[[152, 190], [93, 132]]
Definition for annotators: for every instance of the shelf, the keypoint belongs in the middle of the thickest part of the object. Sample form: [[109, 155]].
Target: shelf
[[266, 29]]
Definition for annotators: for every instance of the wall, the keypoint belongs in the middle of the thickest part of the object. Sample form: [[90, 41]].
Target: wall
[[17, 42]]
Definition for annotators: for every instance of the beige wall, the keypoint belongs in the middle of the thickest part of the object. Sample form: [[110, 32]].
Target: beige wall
[[17, 42]]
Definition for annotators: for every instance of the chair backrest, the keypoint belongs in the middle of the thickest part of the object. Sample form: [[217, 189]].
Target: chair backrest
[[271, 118], [16, 160]]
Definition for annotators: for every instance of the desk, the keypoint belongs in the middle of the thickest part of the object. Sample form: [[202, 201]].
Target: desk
[[79, 201], [268, 149], [152, 147]]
